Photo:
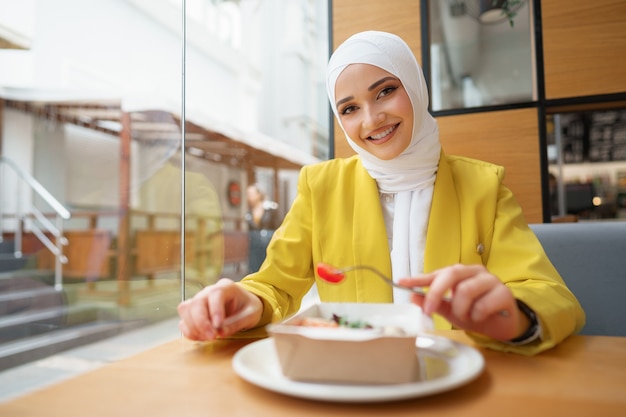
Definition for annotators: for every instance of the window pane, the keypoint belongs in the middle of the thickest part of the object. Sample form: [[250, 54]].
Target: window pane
[[587, 164], [478, 62]]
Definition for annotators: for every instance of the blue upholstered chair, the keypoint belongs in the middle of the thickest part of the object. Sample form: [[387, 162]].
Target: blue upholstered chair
[[591, 258]]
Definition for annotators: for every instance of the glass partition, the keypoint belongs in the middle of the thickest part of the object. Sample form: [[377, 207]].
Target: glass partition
[[91, 101], [147, 121], [481, 53]]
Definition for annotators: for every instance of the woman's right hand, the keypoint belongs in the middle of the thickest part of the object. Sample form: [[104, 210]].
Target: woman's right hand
[[219, 310]]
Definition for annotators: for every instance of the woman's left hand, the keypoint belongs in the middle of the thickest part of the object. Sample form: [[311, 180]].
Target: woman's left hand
[[478, 299]]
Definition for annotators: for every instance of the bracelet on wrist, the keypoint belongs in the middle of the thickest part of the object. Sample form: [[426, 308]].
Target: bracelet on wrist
[[534, 330]]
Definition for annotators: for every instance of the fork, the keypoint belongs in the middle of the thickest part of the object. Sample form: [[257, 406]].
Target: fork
[[335, 275]]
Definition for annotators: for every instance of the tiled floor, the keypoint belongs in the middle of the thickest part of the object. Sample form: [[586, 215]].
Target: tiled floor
[[39, 374]]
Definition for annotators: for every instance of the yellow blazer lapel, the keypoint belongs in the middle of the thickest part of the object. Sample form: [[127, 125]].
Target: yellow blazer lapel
[[443, 239], [370, 240]]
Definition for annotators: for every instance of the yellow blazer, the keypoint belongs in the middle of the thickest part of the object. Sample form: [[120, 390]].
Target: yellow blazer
[[337, 219]]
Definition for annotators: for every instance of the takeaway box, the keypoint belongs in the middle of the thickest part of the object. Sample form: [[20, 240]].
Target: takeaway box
[[350, 343]]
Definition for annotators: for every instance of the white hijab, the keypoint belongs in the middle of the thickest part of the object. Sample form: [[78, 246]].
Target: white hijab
[[411, 175]]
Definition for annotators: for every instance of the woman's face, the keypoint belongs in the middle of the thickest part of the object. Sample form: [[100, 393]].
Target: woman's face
[[254, 196], [374, 109]]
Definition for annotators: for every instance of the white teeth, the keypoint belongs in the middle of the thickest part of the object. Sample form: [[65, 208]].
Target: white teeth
[[383, 134]]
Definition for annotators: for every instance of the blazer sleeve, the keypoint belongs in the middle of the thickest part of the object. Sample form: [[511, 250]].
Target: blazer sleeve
[[475, 219], [516, 256], [284, 278]]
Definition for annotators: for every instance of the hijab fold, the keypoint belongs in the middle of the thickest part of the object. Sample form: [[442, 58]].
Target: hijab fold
[[411, 175]]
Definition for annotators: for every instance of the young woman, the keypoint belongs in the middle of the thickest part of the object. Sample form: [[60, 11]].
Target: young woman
[[405, 207]]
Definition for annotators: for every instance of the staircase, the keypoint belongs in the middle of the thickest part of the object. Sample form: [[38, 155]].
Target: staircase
[[37, 320], [38, 315], [8, 260]]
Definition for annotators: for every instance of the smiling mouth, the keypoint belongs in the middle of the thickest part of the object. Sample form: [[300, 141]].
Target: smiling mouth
[[384, 133]]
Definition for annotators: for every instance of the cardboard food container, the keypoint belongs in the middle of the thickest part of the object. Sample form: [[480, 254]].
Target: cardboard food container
[[383, 354]]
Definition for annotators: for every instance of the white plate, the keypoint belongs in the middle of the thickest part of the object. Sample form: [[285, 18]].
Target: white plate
[[446, 364]]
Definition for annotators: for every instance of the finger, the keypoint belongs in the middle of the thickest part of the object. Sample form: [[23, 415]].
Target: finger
[[456, 273], [199, 311], [198, 319], [189, 331], [442, 283], [445, 281], [185, 320], [236, 310], [494, 302], [469, 292], [418, 299], [186, 331], [183, 329], [422, 280], [241, 320], [217, 297]]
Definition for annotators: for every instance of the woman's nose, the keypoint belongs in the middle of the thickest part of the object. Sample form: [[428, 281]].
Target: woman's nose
[[373, 117]]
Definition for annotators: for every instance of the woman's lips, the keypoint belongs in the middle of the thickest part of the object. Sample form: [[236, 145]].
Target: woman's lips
[[383, 136]]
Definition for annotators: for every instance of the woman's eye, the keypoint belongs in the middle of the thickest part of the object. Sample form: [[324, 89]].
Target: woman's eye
[[348, 110], [386, 91]]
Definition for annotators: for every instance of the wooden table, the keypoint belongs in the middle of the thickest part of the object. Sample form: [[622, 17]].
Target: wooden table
[[584, 376]]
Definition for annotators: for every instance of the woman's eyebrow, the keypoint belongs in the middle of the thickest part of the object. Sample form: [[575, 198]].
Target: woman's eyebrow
[[379, 82], [343, 100], [370, 88]]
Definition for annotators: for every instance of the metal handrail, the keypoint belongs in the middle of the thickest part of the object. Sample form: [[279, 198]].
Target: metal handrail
[[61, 213], [38, 188]]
